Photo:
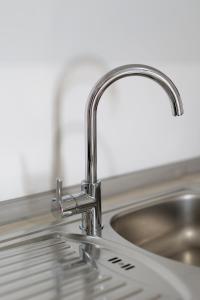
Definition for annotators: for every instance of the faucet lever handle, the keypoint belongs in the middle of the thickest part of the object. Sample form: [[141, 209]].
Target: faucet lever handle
[[59, 190], [68, 205]]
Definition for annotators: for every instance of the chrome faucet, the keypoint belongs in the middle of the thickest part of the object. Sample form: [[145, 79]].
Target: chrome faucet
[[88, 201]]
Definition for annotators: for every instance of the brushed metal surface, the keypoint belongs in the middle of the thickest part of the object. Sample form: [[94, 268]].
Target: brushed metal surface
[[169, 227], [51, 267]]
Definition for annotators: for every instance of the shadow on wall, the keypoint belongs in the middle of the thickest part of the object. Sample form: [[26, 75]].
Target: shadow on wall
[[73, 72], [80, 69]]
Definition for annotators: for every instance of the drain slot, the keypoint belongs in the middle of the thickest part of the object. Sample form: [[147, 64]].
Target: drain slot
[[116, 261], [129, 268], [123, 265], [112, 259]]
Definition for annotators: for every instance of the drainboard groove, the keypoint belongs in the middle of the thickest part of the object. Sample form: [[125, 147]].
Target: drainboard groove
[[52, 294], [50, 274], [96, 291], [52, 269], [130, 294], [20, 275], [35, 269], [28, 291], [16, 252], [107, 289], [84, 286], [28, 256], [37, 286], [32, 284], [8, 250], [20, 266]]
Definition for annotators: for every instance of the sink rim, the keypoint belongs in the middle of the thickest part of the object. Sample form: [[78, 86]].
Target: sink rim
[[148, 202]]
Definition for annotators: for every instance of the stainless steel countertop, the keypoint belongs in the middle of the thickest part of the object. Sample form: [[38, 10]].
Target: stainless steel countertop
[[24, 217]]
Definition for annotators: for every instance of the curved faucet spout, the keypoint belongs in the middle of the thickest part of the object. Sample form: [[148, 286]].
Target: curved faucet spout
[[97, 92]]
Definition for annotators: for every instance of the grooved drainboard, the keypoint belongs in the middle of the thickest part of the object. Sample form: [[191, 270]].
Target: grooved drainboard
[[49, 267]]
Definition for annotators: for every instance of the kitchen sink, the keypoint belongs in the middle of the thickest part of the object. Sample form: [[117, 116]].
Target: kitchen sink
[[41, 257], [168, 226]]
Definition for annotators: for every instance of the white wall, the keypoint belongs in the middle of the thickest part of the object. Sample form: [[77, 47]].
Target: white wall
[[52, 53]]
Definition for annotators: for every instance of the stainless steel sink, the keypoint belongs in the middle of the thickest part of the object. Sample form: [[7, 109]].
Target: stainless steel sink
[[168, 226], [54, 266]]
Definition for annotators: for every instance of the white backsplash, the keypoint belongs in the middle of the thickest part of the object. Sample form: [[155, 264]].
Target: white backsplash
[[52, 53]]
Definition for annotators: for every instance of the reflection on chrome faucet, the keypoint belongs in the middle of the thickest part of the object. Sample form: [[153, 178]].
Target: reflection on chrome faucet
[[81, 269], [88, 201]]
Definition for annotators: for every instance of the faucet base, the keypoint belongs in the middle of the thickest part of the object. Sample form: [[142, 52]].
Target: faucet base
[[92, 220]]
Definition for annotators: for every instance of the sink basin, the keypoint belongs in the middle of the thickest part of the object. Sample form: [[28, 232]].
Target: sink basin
[[168, 226]]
